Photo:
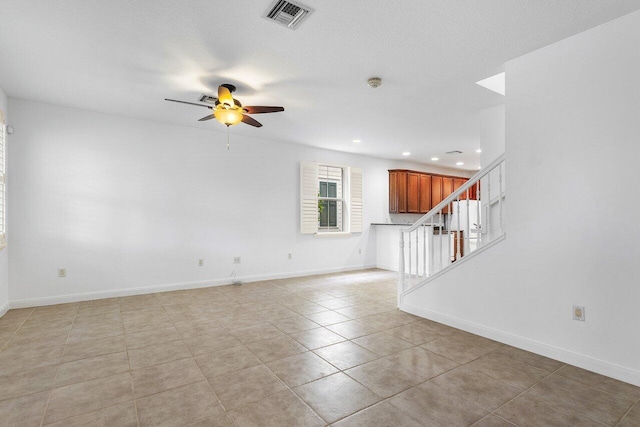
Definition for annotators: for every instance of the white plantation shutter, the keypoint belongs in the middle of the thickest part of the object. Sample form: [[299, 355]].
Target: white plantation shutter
[[308, 198], [355, 180]]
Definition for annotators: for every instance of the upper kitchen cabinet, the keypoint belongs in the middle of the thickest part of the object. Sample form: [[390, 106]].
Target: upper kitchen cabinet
[[417, 192]]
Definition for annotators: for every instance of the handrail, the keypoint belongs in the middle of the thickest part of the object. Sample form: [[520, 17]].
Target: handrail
[[454, 196], [435, 242]]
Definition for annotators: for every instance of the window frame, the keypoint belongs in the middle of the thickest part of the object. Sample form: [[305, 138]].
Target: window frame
[[338, 199], [310, 195]]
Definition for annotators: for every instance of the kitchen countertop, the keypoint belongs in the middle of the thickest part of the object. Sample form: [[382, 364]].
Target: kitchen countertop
[[403, 224]]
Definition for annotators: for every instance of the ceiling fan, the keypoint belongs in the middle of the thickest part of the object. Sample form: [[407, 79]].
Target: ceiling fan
[[229, 111]]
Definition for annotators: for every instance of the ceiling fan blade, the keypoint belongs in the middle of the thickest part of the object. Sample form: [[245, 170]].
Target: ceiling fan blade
[[224, 96], [209, 117], [185, 102], [261, 110], [251, 121]]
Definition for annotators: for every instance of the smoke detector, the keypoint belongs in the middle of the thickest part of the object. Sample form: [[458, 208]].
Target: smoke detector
[[374, 82], [287, 13]]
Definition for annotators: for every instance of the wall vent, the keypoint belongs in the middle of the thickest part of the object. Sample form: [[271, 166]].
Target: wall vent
[[454, 152], [288, 13]]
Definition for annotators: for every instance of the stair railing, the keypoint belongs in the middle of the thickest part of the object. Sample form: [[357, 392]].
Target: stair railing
[[469, 219]]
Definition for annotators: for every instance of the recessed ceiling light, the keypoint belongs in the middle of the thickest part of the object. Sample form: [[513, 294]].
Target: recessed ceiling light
[[357, 141], [435, 159], [479, 167], [406, 153], [494, 83], [459, 163], [479, 150]]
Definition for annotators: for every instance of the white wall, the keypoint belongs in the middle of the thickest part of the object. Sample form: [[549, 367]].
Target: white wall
[[572, 154], [492, 128], [125, 203], [4, 253]]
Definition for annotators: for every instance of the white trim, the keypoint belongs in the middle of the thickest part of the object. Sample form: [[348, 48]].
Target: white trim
[[4, 308], [62, 299], [591, 364], [332, 233]]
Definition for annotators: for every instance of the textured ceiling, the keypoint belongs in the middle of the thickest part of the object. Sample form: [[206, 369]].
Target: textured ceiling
[[125, 57]]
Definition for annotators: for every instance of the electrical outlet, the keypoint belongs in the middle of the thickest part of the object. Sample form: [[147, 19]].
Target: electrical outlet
[[200, 262], [236, 260], [578, 312], [62, 272], [290, 256]]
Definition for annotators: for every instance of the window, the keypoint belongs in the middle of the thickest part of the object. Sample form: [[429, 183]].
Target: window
[[3, 137], [331, 199]]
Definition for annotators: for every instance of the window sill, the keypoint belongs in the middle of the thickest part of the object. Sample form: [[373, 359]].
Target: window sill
[[332, 233]]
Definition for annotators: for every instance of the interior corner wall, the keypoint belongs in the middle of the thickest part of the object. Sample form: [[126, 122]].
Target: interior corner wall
[[572, 155], [492, 133], [130, 206], [4, 253]]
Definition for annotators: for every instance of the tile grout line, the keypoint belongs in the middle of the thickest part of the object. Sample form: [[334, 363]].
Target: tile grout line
[[133, 389], [637, 403], [194, 361], [16, 331], [524, 391], [287, 386], [55, 378]]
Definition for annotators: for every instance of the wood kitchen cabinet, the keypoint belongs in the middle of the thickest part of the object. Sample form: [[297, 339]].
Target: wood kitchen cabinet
[[436, 190], [457, 183], [447, 189], [398, 191], [418, 192], [393, 192], [425, 193], [413, 192]]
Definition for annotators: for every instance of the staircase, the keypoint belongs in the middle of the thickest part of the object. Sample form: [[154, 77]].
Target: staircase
[[455, 230]]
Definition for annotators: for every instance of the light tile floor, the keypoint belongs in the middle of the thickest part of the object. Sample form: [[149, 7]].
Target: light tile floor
[[313, 351]]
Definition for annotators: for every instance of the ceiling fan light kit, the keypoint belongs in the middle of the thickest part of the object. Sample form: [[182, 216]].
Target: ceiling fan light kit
[[229, 111], [228, 117]]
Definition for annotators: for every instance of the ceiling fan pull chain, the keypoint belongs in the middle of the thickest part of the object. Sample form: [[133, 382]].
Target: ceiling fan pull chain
[[227, 137]]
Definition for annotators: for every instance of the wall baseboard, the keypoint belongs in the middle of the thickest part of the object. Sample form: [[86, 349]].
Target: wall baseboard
[[87, 296], [4, 308], [595, 365]]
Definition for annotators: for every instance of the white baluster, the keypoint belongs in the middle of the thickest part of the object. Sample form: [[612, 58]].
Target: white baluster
[[500, 199], [410, 279], [488, 205], [457, 233], [479, 225], [442, 221], [431, 251], [417, 255], [401, 264], [424, 251], [467, 232]]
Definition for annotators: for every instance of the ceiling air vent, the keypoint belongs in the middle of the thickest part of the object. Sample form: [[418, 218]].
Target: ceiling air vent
[[454, 152], [207, 99], [288, 13]]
